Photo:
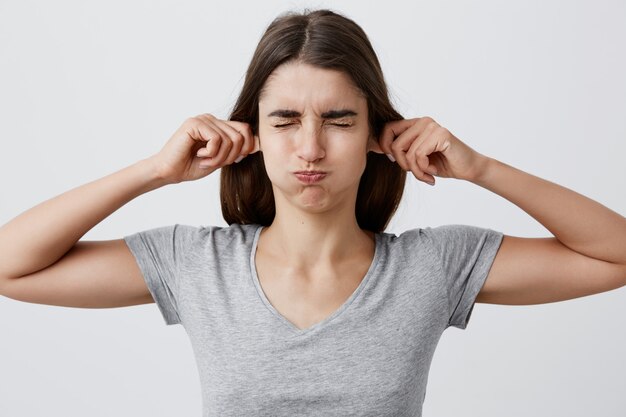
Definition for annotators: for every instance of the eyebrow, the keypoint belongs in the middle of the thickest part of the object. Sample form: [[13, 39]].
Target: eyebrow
[[331, 114]]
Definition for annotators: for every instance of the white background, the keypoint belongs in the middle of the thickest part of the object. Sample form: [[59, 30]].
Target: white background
[[87, 89]]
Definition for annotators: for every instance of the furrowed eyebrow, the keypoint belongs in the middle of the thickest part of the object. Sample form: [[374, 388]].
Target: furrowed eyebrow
[[332, 114], [284, 113], [337, 114]]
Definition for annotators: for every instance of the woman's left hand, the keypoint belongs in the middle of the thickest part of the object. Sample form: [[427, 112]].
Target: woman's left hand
[[427, 149]]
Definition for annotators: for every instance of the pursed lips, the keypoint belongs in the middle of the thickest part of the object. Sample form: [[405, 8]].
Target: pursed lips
[[310, 177]]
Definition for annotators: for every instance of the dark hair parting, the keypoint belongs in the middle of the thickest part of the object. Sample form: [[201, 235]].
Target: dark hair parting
[[325, 39]]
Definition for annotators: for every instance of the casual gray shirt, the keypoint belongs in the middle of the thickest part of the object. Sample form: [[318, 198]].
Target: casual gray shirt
[[370, 357]]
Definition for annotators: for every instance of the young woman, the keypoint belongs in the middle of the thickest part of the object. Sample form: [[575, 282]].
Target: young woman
[[304, 305]]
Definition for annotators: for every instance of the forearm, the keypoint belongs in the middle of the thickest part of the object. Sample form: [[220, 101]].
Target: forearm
[[580, 223], [43, 234]]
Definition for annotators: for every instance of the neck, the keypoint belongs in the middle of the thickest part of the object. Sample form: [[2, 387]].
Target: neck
[[309, 240]]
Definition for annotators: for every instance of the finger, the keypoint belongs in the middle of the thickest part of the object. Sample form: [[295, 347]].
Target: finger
[[414, 162], [412, 138], [220, 157], [208, 162], [401, 145], [202, 152], [250, 140], [222, 154], [237, 139], [400, 156], [215, 142], [210, 135], [390, 131], [196, 129], [420, 149], [439, 142], [418, 171]]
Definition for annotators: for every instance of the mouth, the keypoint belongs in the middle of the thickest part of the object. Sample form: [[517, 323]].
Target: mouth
[[310, 177]]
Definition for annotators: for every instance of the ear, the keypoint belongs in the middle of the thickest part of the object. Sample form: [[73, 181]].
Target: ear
[[372, 145], [257, 144]]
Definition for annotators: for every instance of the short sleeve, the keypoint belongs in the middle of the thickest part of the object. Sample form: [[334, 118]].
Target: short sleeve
[[465, 254], [159, 254]]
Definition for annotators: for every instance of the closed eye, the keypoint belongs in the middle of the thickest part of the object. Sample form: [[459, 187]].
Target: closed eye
[[334, 124]]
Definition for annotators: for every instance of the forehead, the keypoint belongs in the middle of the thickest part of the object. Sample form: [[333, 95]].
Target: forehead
[[298, 85]]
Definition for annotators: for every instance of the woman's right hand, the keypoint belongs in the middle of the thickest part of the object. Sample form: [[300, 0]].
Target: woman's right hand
[[201, 145]]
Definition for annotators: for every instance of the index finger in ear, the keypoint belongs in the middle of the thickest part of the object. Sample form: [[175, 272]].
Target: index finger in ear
[[249, 139], [392, 130]]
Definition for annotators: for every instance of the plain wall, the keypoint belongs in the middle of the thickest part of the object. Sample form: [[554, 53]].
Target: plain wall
[[89, 88]]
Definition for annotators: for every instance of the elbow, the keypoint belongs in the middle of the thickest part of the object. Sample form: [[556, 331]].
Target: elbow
[[3, 284], [623, 275]]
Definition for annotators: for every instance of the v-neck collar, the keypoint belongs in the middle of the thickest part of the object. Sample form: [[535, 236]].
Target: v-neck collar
[[336, 313]]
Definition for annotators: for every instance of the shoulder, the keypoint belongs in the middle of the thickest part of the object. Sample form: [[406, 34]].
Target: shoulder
[[440, 239], [429, 233], [234, 234], [187, 236]]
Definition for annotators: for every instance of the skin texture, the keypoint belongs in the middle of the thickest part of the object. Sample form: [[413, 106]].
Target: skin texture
[[289, 144], [314, 254]]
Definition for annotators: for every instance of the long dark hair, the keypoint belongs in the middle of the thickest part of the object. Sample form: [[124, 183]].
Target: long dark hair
[[324, 39]]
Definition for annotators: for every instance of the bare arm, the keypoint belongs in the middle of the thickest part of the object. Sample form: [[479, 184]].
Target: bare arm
[[42, 261], [578, 222], [40, 236], [41, 258], [587, 254]]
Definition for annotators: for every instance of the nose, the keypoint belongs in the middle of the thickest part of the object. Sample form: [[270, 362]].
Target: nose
[[309, 143]]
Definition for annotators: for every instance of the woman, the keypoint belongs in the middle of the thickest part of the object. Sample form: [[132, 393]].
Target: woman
[[304, 305]]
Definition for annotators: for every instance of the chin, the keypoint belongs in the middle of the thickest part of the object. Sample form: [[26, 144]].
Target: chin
[[312, 198]]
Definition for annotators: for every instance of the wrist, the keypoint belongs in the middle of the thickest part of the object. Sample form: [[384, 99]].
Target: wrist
[[483, 168], [154, 172]]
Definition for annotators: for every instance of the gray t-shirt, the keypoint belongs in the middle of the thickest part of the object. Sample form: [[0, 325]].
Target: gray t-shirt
[[370, 357]]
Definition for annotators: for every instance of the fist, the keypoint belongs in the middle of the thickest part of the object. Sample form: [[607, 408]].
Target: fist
[[425, 148], [203, 144]]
